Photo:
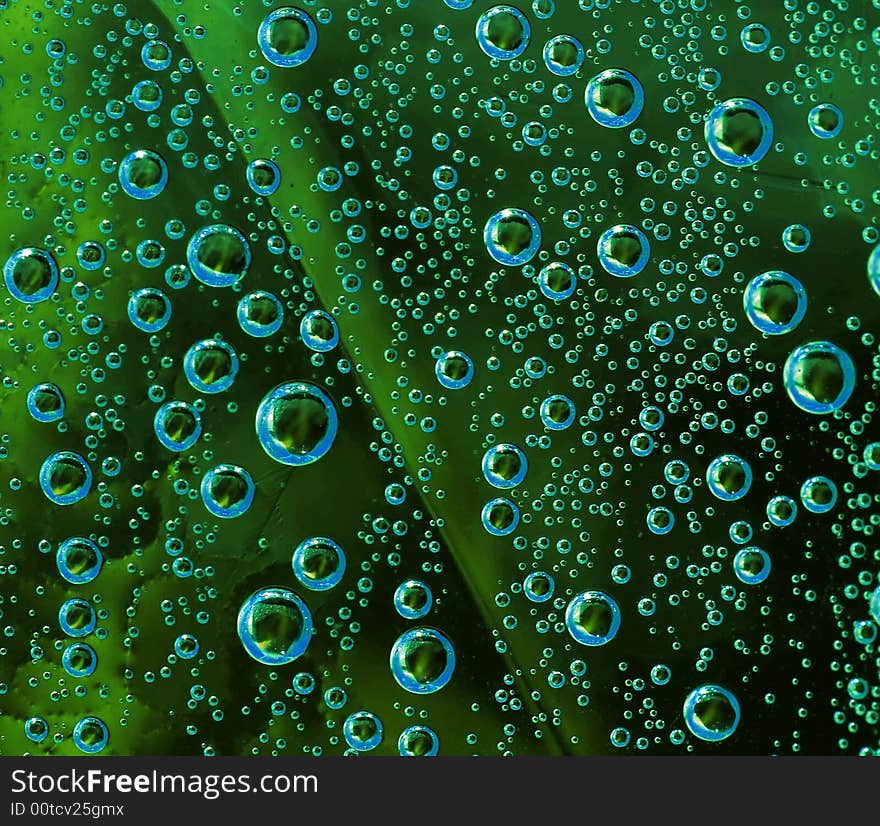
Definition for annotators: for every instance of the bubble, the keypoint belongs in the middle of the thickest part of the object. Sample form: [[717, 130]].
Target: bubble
[[819, 494], [31, 275], [751, 565], [614, 98], [781, 511], [143, 174], [557, 412], [557, 281], [263, 176], [796, 238], [91, 735], [422, 660], [79, 560], [65, 478], [296, 423], [825, 121], [660, 520], [77, 617], [539, 586], [623, 250], [500, 517], [755, 37], [79, 660], [274, 626], [218, 255], [775, 302], [739, 132], [186, 646], [210, 366], [592, 618], [178, 425], [156, 55], [819, 377], [512, 237], [563, 55], [729, 477], [149, 309], [260, 314], [319, 331], [661, 674], [318, 563], [287, 37], [45, 402], [676, 472], [227, 491], [454, 370], [871, 456], [147, 95], [36, 729], [874, 269], [503, 32], [91, 255], [362, 730], [711, 713], [504, 466], [418, 741], [413, 599]]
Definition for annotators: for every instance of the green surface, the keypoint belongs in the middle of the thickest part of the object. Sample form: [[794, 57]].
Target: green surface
[[385, 80]]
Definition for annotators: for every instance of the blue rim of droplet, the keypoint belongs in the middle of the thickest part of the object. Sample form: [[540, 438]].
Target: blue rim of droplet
[[403, 609], [319, 345], [793, 364], [236, 509], [719, 151], [602, 116], [255, 328], [274, 594], [349, 727], [482, 33], [417, 729], [137, 321], [50, 415], [73, 496], [555, 68], [67, 628], [496, 481], [398, 662], [64, 568], [250, 174], [278, 451], [91, 748], [451, 383], [696, 728], [531, 595], [273, 55], [159, 426], [816, 128], [745, 576], [716, 464], [299, 559], [584, 637], [552, 424], [68, 655], [131, 188], [9, 275], [192, 376], [500, 255], [615, 268], [752, 293], [214, 278]]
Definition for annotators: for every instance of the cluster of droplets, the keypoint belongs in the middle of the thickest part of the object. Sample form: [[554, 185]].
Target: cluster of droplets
[[504, 320]]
